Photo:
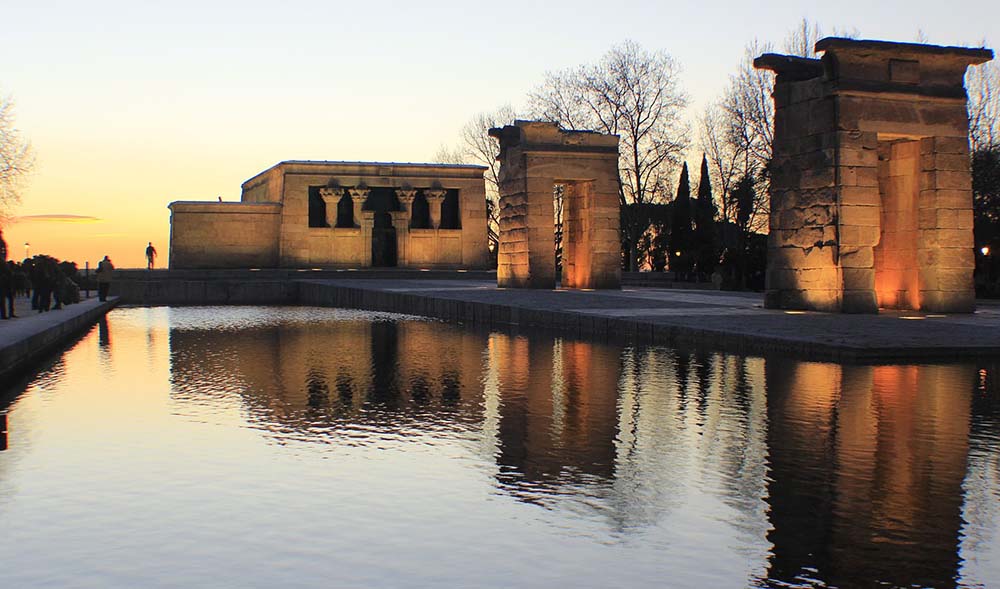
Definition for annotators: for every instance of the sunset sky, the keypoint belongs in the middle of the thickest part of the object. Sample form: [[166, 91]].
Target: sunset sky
[[132, 105]]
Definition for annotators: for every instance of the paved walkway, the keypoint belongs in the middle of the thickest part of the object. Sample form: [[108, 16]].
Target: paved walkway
[[733, 321], [31, 334]]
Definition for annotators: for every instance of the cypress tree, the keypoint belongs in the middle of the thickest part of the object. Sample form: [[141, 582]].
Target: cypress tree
[[681, 252], [704, 219], [743, 196]]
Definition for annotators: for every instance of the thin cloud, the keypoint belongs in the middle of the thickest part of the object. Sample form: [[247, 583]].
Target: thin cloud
[[57, 218]]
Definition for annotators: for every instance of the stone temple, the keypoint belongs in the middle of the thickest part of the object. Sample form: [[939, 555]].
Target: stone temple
[[871, 195], [304, 214]]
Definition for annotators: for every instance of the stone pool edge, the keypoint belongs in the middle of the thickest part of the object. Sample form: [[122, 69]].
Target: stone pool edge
[[455, 310], [22, 347]]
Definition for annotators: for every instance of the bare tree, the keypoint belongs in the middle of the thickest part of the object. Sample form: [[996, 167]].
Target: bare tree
[[983, 86], [738, 137], [475, 146], [16, 158], [635, 94], [723, 158], [802, 40], [747, 120]]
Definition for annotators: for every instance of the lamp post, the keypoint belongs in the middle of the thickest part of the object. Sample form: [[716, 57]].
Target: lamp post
[[985, 250]]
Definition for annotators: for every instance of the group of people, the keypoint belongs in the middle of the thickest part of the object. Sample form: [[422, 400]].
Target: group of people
[[49, 283]]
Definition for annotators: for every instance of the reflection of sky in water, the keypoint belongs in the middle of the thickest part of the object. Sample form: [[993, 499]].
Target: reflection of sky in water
[[321, 447]]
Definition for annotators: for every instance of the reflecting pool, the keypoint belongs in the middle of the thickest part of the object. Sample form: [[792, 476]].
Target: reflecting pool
[[306, 447]]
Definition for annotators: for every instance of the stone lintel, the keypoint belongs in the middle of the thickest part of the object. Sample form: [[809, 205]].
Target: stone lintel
[[548, 136], [972, 55]]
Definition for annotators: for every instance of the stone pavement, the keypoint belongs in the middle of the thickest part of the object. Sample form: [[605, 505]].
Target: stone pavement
[[32, 335], [720, 320]]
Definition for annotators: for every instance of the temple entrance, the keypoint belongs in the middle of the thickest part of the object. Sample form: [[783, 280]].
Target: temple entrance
[[383, 241], [381, 202], [897, 280]]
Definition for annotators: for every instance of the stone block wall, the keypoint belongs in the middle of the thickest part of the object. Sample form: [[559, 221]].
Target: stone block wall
[[945, 256], [430, 248], [331, 247], [526, 255], [224, 235], [803, 248]]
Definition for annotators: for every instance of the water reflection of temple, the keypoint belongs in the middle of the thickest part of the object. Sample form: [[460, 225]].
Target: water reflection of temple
[[827, 472], [310, 376]]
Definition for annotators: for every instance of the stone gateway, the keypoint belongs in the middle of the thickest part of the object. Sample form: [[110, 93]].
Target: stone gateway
[[871, 194], [306, 214], [534, 157]]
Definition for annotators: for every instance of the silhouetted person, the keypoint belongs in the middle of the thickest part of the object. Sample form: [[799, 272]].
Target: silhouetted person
[[6, 291], [6, 282], [105, 270], [43, 282], [150, 256], [22, 286], [30, 267]]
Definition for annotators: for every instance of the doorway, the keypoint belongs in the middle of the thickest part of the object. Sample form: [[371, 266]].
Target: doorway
[[897, 283], [383, 241]]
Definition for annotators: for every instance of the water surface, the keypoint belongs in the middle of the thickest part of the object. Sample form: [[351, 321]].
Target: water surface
[[303, 447]]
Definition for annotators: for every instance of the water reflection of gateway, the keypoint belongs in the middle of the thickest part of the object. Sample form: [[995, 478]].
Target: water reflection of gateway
[[867, 465], [557, 425]]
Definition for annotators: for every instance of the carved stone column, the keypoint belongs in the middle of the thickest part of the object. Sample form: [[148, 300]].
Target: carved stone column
[[367, 219], [359, 196], [331, 196], [406, 196], [434, 199]]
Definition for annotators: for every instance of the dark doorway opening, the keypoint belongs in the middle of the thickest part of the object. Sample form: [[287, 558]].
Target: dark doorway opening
[[383, 241], [317, 208], [451, 218], [420, 217], [382, 201], [345, 211]]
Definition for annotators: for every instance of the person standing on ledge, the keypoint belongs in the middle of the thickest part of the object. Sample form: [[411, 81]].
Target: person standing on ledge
[[104, 271], [6, 283], [150, 256]]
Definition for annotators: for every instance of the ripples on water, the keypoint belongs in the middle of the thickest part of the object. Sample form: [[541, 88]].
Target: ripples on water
[[286, 447]]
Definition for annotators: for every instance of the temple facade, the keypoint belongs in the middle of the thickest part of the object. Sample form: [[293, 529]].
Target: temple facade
[[318, 214]]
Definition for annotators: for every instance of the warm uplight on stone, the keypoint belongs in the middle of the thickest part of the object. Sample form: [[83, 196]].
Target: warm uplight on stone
[[871, 200], [534, 157]]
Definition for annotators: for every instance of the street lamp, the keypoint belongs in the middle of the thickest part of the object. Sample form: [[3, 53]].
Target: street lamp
[[985, 250]]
